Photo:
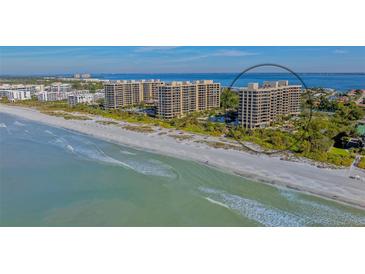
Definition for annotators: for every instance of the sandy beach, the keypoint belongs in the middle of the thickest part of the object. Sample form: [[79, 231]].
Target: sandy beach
[[329, 183]]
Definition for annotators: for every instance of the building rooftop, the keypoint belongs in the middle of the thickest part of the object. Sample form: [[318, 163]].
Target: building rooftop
[[269, 85]]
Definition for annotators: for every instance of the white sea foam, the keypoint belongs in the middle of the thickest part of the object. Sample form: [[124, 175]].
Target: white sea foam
[[89, 151], [216, 202], [70, 148], [151, 168], [126, 152], [253, 210], [322, 214], [49, 132], [3, 125], [17, 123]]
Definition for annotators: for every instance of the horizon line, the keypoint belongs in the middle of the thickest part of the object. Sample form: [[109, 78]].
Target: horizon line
[[156, 73]]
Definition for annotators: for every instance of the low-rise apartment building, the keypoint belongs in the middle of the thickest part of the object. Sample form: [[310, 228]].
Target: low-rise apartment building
[[60, 87], [177, 99], [259, 106], [81, 98], [84, 98], [14, 95], [49, 96], [31, 88]]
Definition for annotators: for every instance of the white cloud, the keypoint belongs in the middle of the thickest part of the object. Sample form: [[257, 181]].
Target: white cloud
[[233, 53], [219, 53]]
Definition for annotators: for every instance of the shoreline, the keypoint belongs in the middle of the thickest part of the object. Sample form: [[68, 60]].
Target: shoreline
[[330, 184]]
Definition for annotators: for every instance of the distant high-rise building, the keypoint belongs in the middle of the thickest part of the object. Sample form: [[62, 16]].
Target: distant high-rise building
[[177, 99], [261, 105]]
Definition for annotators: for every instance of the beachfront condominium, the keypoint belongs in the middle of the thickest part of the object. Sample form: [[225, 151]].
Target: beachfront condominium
[[150, 90], [259, 106], [177, 99], [130, 92], [122, 94]]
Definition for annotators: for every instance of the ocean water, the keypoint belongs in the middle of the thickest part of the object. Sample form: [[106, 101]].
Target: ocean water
[[341, 82], [56, 177]]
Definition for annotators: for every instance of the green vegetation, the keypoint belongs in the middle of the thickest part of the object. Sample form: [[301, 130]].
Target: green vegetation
[[325, 104], [339, 151], [221, 145], [181, 137], [142, 129], [91, 86], [66, 116], [229, 99], [361, 163], [106, 122], [360, 130]]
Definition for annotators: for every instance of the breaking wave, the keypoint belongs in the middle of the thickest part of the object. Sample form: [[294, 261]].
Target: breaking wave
[[17, 123], [253, 210], [90, 151], [322, 214], [3, 125], [49, 132], [126, 152]]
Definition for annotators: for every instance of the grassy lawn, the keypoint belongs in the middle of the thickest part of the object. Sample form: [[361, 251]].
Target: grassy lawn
[[339, 151]]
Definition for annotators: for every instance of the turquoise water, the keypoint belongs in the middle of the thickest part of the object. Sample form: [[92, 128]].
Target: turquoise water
[[56, 177]]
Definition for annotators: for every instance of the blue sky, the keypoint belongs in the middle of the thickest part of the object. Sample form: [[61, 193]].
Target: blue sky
[[65, 60]]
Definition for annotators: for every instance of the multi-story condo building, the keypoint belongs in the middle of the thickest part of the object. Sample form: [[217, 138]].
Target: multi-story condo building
[[150, 90], [177, 99], [261, 105], [130, 92], [123, 93]]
